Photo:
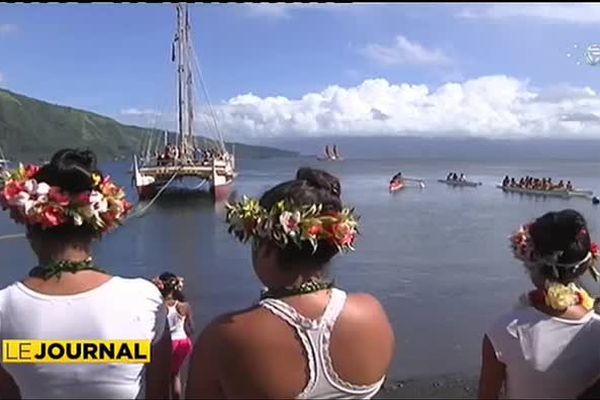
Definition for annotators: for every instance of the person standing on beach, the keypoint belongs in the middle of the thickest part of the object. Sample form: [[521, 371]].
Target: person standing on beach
[[548, 346], [65, 206], [305, 338], [180, 323]]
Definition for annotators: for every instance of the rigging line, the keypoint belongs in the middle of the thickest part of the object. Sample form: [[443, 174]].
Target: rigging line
[[140, 212], [196, 64], [13, 236]]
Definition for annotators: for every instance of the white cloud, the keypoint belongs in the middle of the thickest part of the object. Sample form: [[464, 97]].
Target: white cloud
[[581, 13], [140, 112], [490, 106], [404, 52], [6, 29], [495, 106], [284, 10]]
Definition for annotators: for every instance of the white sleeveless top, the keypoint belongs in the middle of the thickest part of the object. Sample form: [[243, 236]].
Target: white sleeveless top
[[323, 382], [546, 357], [176, 323], [128, 309]]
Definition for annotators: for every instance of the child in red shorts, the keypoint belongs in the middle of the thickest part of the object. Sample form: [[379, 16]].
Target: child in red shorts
[[180, 324]]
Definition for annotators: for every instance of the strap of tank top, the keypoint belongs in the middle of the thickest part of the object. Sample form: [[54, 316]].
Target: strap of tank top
[[300, 324]]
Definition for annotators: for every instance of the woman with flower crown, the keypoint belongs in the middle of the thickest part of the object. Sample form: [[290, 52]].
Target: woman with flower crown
[[181, 325], [547, 347], [305, 338], [66, 205]]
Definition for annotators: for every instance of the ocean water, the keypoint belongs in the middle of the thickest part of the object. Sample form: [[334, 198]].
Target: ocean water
[[437, 258]]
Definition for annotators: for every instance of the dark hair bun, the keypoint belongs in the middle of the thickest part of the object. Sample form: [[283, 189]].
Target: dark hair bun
[[70, 169], [564, 231], [320, 179]]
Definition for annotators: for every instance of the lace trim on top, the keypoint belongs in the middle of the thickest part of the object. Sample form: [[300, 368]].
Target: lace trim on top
[[324, 326], [293, 319]]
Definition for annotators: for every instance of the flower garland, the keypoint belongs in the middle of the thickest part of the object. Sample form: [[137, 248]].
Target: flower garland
[[286, 223], [176, 283], [36, 203], [555, 295]]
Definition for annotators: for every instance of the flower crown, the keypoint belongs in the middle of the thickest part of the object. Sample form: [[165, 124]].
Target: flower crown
[[524, 250], [30, 202], [176, 283], [287, 223]]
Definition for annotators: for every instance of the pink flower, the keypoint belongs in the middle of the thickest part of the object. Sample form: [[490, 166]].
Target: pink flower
[[31, 171]]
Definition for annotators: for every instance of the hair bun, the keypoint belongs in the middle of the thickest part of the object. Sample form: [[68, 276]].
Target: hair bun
[[320, 179], [70, 170]]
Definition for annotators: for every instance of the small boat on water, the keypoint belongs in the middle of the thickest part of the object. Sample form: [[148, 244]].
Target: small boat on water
[[399, 182], [459, 183], [564, 193], [396, 185]]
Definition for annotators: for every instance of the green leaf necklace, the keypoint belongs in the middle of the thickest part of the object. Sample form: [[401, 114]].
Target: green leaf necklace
[[56, 268]]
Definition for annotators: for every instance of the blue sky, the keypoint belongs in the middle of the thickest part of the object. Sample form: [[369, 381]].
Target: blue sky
[[114, 58]]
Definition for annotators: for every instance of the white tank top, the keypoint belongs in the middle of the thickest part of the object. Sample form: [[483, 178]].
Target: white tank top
[[176, 323], [118, 309], [546, 357], [323, 382]]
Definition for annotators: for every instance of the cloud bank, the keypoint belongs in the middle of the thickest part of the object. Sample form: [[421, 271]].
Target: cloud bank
[[495, 106]]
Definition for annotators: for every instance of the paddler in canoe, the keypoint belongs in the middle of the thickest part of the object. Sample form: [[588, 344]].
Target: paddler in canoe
[[397, 182]]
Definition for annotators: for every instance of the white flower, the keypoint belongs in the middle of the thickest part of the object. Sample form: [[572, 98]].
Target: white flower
[[98, 202], [30, 186], [289, 222], [42, 189], [20, 199], [77, 220]]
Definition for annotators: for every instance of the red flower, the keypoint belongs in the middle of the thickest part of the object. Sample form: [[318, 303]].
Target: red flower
[[82, 198], [31, 171], [315, 230], [58, 196], [53, 216], [11, 190], [344, 234], [594, 249]]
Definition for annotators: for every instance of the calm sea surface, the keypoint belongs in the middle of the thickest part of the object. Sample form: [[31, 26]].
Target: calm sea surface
[[437, 258]]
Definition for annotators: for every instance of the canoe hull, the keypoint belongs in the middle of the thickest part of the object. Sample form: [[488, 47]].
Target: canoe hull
[[459, 183]]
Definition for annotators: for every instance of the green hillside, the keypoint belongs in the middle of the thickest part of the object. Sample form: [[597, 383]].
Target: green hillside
[[32, 129]]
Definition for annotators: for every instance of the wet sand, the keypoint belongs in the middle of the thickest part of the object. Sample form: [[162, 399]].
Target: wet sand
[[440, 387]]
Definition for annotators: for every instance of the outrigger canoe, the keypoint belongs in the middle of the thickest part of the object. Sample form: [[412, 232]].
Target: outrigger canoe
[[551, 193], [396, 185], [459, 183]]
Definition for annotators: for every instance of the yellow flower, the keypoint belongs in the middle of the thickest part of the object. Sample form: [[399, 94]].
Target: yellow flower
[[560, 297], [96, 179]]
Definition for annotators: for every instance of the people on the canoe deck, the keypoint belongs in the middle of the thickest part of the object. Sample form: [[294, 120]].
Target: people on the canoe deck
[[65, 206], [305, 338], [453, 176], [546, 347], [181, 324], [532, 183]]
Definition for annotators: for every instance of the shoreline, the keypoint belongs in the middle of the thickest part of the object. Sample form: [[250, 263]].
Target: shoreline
[[450, 386]]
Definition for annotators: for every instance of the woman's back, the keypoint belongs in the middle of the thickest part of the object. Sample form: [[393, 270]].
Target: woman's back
[[120, 309], [546, 357], [312, 346]]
